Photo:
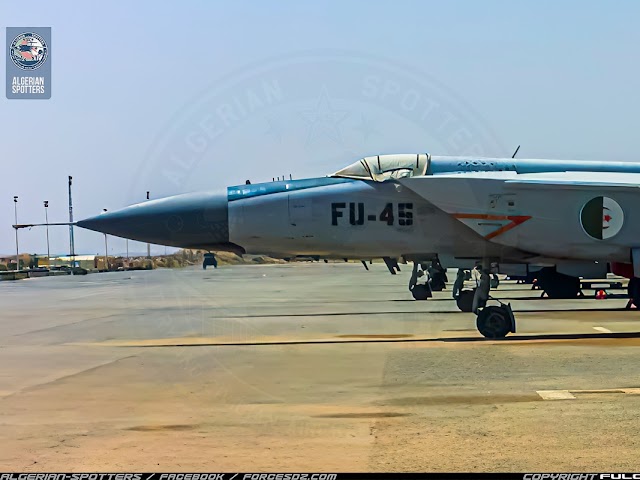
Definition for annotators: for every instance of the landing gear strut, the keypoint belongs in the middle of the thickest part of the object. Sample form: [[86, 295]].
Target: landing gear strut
[[493, 321], [633, 289], [438, 275], [419, 284], [438, 281], [464, 297]]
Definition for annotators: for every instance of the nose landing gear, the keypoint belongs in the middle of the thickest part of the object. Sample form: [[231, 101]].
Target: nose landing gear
[[492, 321], [209, 259]]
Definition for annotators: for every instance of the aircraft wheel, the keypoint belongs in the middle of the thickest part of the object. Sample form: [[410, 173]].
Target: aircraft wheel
[[420, 292], [633, 289], [494, 322], [465, 300], [437, 283]]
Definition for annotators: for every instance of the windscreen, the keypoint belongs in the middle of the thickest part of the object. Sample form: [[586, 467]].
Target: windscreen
[[386, 167]]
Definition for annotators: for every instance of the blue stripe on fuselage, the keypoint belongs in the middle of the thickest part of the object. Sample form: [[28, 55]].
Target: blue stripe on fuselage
[[240, 192]]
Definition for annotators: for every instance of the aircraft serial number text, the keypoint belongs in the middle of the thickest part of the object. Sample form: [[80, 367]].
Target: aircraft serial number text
[[403, 212]]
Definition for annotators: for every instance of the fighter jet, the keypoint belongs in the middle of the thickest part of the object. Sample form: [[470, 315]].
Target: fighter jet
[[510, 212]]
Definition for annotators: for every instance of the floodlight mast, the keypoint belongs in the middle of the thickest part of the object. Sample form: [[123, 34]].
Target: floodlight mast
[[46, 220], [15, 212], [72, 252]]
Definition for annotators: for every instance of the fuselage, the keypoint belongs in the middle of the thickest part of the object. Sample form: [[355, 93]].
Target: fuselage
[[334, 217], [350, 215]]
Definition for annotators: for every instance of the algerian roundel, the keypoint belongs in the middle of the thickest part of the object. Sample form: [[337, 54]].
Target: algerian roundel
[[601, 218]]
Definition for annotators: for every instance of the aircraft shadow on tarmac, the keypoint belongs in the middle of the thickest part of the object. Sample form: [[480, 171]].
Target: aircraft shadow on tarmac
[[443, 299], [546, 336], [445, 312], [335, 314], [611, 296], [368, 339], [560, 310]]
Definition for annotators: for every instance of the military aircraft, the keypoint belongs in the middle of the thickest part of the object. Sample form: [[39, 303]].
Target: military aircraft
[[574, 215]]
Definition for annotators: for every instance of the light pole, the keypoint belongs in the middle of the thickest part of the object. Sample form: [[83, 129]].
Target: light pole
[[106, 249], [15, 211], [46, 220], [148, 244], [72, 251]]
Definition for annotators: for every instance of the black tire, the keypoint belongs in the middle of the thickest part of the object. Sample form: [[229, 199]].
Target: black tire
[[465, 300], [420, 292], [494, 322], [209, 259], [438, 283], [633, 290]]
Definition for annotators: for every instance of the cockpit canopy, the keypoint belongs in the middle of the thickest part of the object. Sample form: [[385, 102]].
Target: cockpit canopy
[[386, 167]]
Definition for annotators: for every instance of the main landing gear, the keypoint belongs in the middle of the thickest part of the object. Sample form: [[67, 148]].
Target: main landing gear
[[492, 321], [464, 296], [497, 321], [438, 275], [425, 278]]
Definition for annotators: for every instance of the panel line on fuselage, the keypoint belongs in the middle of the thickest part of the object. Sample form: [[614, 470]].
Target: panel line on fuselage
[[240, 192]]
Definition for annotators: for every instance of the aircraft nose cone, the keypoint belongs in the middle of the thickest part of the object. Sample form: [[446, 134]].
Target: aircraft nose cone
[[197, 220]]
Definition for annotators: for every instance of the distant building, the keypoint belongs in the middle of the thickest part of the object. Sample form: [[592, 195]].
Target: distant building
[[87, 262], [9, 262]]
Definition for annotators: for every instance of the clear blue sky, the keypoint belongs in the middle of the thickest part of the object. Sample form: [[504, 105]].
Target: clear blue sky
[[191, 95]]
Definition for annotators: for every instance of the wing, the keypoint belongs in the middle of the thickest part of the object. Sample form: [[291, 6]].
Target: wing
[[590, 214]]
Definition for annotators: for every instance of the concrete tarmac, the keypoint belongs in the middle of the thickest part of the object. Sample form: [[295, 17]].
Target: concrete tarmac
[[308, 367]]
